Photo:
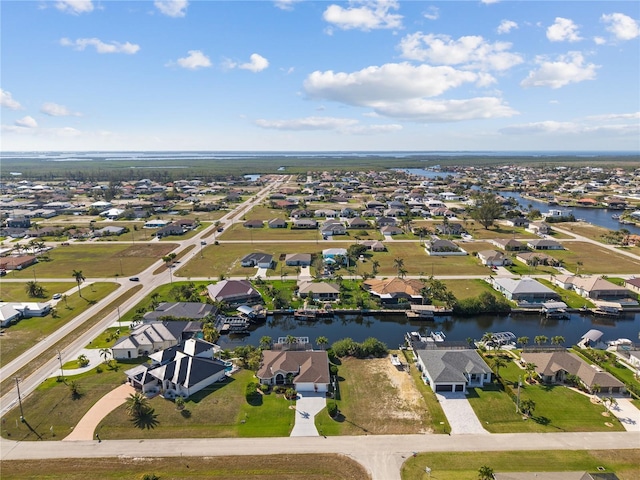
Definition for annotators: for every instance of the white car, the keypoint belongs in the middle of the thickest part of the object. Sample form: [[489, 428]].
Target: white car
[[57, 296]]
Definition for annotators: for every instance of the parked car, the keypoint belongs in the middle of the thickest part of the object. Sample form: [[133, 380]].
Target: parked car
[[203, 242], [134, 279], [57, 296]]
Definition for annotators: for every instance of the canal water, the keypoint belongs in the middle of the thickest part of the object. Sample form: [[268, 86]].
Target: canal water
[[595, 216], [390, 329]]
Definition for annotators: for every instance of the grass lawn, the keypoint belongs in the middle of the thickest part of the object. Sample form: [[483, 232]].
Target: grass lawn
[[18, 338], [595, 259], [258, 467], [594, 232], [98, 260], [520, 268], [370, 403], [477, 231], [224, 259], [51, 404], [15, 292], [558, 409], [571, 298], [238, 232], [187, 235], [220, 410], [465, 465], [418, 262], [463, 289]]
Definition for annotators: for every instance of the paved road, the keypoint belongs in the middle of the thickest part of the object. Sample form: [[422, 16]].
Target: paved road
[[382, 455]]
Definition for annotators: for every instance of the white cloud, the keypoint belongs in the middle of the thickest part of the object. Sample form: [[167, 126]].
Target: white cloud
[[28, 122], [621, 26], [371, 15], [286, 4], [341, 125], [75, 7], [568, 69], [172, 8], [615, 116], [400, 91], [100, 46], [256, 63], [563, 30], [432, 13], [195, 60], [551, 127], [506, 26], [599, 40], [472, 52], [489, 2], [42, 132], [7, 100], [55, 110]]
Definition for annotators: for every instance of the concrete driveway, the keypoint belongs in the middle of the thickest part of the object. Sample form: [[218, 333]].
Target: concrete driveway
[[627, 413], [461, 416], [308, 405]]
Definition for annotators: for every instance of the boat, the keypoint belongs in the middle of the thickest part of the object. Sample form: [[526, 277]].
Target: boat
[[607, 309], [615, 217], [311, 313], [556, 310], [438, 336], [395, 360], [229, 325], [421, 311]]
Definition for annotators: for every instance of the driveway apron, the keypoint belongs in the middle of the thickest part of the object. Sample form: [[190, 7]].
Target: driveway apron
[[460, 415], [308, 405]]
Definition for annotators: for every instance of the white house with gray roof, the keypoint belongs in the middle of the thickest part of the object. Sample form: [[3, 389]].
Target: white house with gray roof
[[523, 290], [452, 370]]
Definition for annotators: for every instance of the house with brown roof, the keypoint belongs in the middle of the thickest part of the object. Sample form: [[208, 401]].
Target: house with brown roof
[[553, 367], [234, 291], [391, 290], [297, 259], [493, 258], [17, 263], [595, 287], [319, 290], [508, 244], [310, 369]]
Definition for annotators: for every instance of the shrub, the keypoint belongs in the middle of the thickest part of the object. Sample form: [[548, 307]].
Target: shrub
[[291, 394], [264, 388], [333, 369], [332, 409], [251, 391], [279, 389]]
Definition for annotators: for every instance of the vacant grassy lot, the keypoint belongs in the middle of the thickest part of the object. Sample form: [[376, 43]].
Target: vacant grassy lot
[[238, 232], [98, 260], [464, 466], [418, 262], [18, 338], [375, 398], [477, 231], [594, 232], [220, 410], [469, 288], [595, 259], [15, 292], [558, 409], [224, 259], [267, 467]]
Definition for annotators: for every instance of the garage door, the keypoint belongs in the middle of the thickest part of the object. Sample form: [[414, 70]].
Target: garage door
[[459, 388], [444, 388]]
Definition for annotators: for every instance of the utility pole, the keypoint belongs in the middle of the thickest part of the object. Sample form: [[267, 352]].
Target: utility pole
[[19, 399], [518, 397], [60, 360]]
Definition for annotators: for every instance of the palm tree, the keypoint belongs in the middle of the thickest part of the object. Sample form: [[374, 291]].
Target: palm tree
[[375, 264], [291, 340], [137, 405], [265, 342], [579, 264], [322, 342], [210, 332], [527, 406], [155, 297], [540, 339], [523, 341], [105, 353], [498, 362], [530, 368], [485, 473], [77, 274], [398, 263], [34, 289], [402, 272], [557, 340]]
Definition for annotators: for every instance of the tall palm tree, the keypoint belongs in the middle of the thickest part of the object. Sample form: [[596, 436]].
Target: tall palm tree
[[540, 339], [291, 340], [137, 405], [375, 264], [210, 332], [77, 274], [34, 289], [105, 353], [498, 362], [398, 263], [557, 340], [322, 342], [530, 368], [265, 342]]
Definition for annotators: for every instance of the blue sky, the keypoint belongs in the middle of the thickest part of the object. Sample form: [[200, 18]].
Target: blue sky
[[303, 75]]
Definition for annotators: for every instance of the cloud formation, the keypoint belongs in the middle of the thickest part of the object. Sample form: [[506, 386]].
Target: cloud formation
[[506, 26], [341, 125], [100, 46], [563, 30], [371, 15], [55, 110], [432, 13], [7, 101], [172, 8], [621, 26], [193, 61], [74, 7], [401, 90], [286, 4], [470, 52], [552, 127], [256, 63], [569, 68], [27, 122]]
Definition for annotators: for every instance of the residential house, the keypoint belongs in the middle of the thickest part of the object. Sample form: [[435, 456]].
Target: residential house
[[326, 213], [395, 290], [544, 244], [11, 312], [508, 244], [358, 222], [17, 263], [277, 223], [452, 370], [297, 259], [553, 367], [390, 230], [107, 231], [450, 229], [257, 259], [148, 337], [523, 291], [333, 228], [179, 371], [493, 258], [594, 287], [539, 228], [322, 291], [181, 310], [156, 224], [386, 221], [234, 292], [304, 223], [374, 245], [517, 222], [441, 247], [253, 224], [309, 369], [536, 258], [633, 284], [330, 254]]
